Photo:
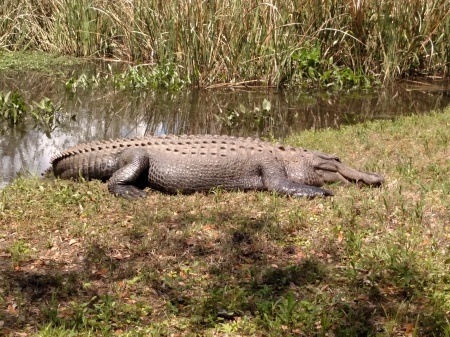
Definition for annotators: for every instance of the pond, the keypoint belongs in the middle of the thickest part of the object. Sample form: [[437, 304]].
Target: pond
[[105, 113]]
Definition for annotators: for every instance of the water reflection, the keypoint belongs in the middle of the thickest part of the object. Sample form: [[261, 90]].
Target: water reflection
[[103, 114]]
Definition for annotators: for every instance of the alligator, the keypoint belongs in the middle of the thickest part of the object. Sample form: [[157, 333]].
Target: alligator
[[199, 163]]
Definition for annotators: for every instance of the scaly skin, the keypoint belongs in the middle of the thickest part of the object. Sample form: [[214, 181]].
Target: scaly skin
[[188, 164]]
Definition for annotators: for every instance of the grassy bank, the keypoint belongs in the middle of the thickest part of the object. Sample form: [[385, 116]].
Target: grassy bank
[[334, 42], [76, 261]]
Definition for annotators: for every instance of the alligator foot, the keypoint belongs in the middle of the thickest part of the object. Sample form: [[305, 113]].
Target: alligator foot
[[311, 192], [129, 192]]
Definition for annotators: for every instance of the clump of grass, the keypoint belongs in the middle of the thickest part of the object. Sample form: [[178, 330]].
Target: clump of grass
[[336, 42], [20, 251]]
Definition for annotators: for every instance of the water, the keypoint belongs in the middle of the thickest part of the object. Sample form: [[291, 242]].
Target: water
[[104, 114]]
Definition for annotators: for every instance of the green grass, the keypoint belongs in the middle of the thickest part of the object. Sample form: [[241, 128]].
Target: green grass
[[216, 43], [36, 61], [76, 261]]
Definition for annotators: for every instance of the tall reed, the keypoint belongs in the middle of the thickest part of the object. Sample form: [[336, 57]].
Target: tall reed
[[269, 43]]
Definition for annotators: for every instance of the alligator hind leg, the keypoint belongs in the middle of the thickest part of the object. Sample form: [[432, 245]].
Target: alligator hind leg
[[133, 163]]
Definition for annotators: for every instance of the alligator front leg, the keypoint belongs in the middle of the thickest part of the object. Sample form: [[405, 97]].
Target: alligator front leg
[[133, 163], [274, 179]]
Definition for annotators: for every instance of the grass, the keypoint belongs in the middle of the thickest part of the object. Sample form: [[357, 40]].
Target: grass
[[37, 61], [76, 261], [217, 43]]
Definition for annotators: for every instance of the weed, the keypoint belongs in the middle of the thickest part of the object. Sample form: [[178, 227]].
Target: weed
[[258, 116], [164, 76], [20, 251], [44, 112], [12, 107]]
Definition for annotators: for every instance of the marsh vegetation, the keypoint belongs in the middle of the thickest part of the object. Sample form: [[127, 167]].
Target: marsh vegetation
[[216, 43]]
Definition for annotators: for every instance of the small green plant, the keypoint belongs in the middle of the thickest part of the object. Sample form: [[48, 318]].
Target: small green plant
[[12, 107], [344, 77], [259, 116], [164, 76], [44, 112], [307, 66], [306, 63], [20, 251], [84, 82]]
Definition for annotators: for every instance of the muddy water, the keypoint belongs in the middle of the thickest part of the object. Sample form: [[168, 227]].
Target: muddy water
[[104, 113]]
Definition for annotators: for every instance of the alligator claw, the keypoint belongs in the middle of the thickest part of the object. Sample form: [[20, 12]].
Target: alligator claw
[[311, 192], [127, 191]]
